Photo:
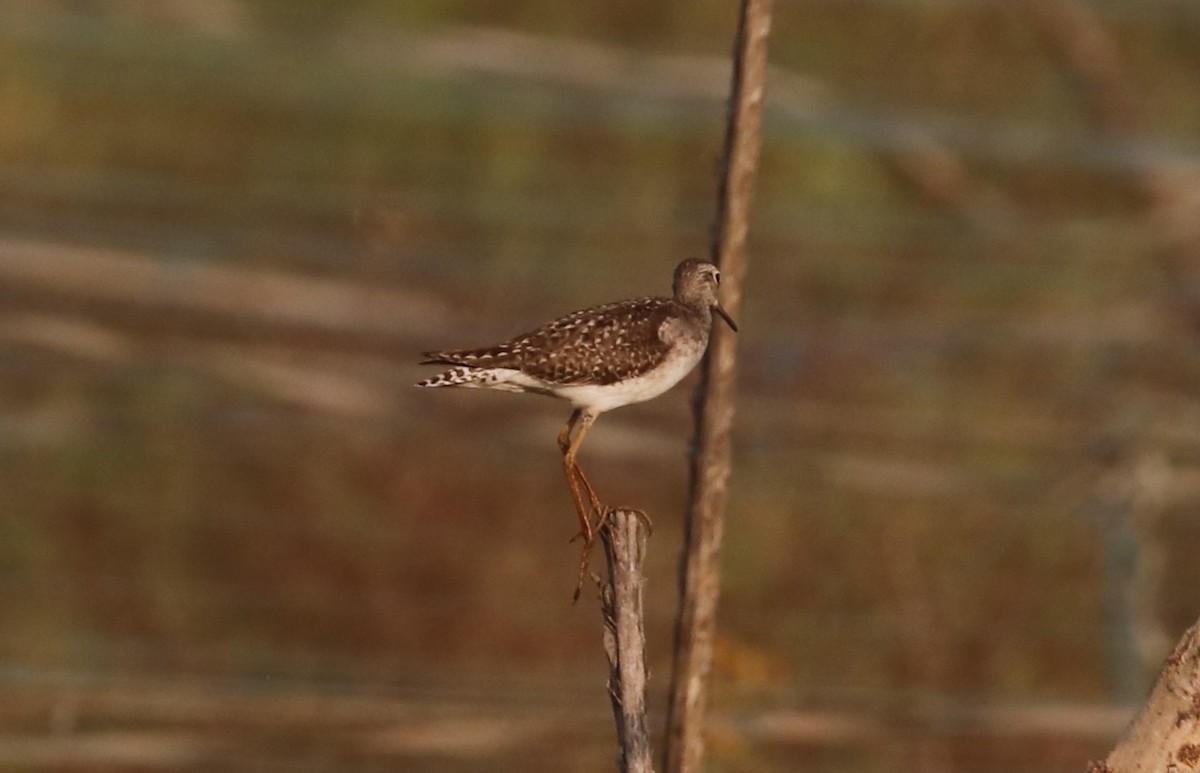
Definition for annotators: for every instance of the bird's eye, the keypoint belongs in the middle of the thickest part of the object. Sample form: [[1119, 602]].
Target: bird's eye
[[716, 275]]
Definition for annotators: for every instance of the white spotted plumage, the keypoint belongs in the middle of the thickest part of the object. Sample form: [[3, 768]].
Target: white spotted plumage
[[603, 357]]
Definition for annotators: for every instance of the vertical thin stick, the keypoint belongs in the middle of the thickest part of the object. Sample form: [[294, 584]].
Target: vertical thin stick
[[704, 527], [624, 538]]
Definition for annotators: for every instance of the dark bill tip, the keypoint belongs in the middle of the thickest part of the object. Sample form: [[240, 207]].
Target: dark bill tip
[[728, 320]]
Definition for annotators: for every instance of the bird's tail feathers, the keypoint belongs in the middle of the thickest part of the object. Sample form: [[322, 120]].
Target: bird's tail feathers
[[477, 357], [462, 376]]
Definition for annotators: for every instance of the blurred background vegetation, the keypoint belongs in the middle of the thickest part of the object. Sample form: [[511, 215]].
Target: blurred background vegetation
[[963, 529]]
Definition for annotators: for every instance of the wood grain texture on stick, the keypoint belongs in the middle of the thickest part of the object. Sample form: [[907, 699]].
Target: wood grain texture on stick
[[624, 538]]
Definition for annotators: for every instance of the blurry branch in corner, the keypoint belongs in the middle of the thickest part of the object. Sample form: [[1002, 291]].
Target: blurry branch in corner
[[1165, 735]]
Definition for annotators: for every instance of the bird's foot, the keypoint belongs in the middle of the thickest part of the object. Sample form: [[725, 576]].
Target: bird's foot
[[604, 521], [641, 516]]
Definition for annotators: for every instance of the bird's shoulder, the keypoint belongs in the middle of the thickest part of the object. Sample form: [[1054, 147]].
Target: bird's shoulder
[[634, 321]]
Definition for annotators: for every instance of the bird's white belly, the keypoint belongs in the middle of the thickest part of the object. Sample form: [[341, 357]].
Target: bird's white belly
[[598, 398]]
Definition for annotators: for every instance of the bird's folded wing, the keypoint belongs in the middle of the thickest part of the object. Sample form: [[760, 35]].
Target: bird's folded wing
[[600, 345]]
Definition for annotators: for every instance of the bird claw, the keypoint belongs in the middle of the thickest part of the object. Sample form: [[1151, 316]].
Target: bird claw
[[643, 517], [605, 521]]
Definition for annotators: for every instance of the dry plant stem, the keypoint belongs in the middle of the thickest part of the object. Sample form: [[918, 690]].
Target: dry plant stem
[[704, 527], [1165, 736], [624, 538]]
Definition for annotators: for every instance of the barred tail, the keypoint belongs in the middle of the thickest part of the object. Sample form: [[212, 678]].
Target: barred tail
[[454, 377]]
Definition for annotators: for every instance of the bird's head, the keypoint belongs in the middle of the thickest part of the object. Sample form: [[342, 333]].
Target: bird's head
[[696, 282]]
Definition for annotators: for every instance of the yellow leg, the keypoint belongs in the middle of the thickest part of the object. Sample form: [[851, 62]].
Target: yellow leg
[[575, 476], [597, 507], [569, 449], [564, 437], [576, 479]]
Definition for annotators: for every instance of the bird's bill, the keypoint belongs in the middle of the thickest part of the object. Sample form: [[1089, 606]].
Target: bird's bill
[[728, 320]]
